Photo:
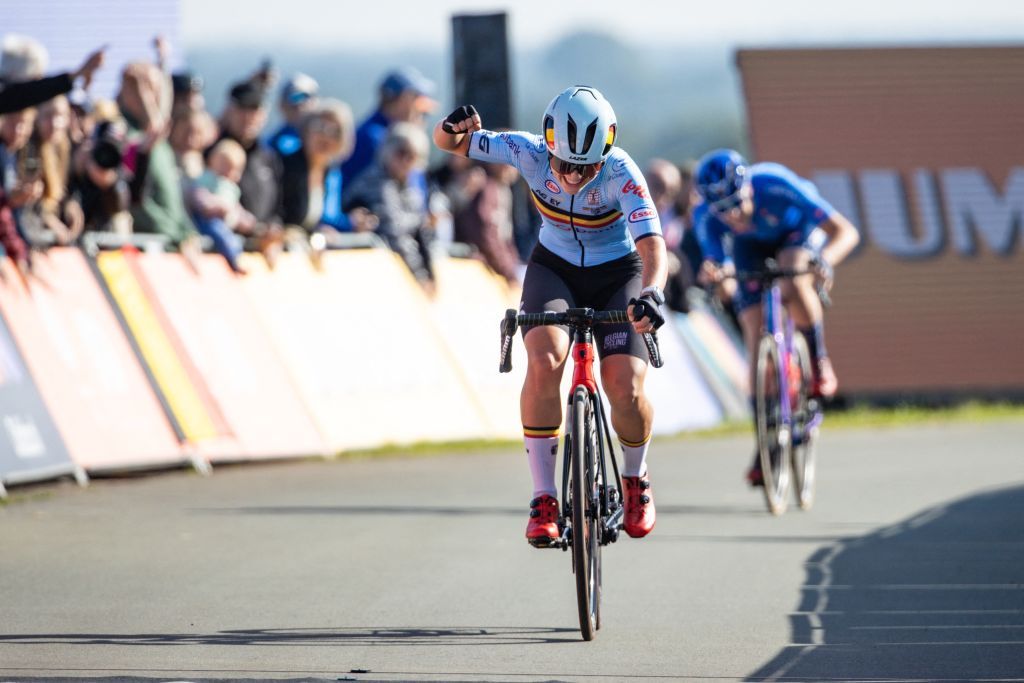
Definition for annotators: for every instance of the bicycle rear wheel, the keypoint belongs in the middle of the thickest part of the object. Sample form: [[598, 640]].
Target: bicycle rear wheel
[[805, 428], [773, 436], [586, 534]]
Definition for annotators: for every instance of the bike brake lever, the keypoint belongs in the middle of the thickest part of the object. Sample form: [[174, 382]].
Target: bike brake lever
[[653, 351], [508, 333]]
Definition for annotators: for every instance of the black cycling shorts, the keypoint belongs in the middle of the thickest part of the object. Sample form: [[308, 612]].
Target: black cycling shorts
[[553, 284]]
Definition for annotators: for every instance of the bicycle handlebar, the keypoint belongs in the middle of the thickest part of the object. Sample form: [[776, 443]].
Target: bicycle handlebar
[[577, 318], [772, 272]]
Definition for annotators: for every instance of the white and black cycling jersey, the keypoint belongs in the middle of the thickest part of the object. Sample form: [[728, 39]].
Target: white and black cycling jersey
[[601, 223]]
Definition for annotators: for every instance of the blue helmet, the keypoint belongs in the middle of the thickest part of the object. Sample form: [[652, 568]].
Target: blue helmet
[[720, 174]]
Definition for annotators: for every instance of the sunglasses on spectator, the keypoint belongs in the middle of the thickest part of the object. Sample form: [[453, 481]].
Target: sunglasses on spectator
[[566, 167], [726, 204], [325, 127]]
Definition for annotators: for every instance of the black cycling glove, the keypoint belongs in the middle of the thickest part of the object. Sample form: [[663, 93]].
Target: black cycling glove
[[647, 307], [466, 111]]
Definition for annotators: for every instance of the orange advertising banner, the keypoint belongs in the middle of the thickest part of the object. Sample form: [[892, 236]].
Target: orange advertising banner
[[186, 397], [84, 366], [922, 149], [357, 337], [220, 332]]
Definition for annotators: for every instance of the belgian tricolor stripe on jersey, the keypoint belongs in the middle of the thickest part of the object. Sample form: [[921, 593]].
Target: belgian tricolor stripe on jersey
[[559, 216]]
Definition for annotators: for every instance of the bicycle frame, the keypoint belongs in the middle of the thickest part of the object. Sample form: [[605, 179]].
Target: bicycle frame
[[779, 325], [772, 323], [612, 511]]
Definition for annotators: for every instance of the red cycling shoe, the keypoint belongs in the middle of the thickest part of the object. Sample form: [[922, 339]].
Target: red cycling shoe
[[543, 526], [639, 505]]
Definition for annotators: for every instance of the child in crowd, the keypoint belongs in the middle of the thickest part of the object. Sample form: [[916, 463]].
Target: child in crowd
[[215, 200]]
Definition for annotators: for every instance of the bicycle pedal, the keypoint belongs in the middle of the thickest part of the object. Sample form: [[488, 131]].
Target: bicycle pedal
[[543, 542]]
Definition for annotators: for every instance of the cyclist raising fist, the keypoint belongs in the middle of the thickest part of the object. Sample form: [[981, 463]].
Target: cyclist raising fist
[[770, 212], [600, 246]]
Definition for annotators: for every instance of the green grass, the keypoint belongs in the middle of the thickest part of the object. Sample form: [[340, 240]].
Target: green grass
[[858, 417], [864, 416], [898, 416]]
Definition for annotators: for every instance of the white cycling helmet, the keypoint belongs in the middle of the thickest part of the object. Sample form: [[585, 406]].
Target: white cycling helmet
[[579, 126]]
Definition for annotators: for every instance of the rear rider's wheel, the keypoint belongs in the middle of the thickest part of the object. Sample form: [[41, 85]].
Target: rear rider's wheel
[[586, 548], [774, 440], [805, 427]]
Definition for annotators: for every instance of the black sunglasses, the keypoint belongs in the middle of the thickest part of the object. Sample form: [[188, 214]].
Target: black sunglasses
[[566, 167]]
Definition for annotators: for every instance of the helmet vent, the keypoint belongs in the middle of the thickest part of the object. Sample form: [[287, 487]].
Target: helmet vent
[[588, 139], [572, 135]]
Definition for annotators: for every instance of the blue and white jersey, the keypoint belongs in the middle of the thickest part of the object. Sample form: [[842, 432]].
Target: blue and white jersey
[[784, 204], [601, 223]]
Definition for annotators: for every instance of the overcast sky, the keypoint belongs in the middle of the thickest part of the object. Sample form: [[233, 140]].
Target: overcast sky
[[425, 23]]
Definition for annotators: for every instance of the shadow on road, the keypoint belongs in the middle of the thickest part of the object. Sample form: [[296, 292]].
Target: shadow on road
[[938, 596], [311, 637], [451, 511]]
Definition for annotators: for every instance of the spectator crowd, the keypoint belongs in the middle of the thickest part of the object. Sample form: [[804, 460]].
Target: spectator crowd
[[155, 162]]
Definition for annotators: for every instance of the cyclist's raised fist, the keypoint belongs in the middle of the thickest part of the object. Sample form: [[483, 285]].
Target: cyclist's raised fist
[[463, 120]]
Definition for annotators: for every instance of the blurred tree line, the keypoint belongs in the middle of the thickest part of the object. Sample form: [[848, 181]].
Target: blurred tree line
[[671, 101]]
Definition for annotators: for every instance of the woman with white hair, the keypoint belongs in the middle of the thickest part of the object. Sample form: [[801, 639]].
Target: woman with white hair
[[385, 191]]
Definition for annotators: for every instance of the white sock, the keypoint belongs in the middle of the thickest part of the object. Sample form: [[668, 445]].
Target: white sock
[[542, 451], [634, 457]]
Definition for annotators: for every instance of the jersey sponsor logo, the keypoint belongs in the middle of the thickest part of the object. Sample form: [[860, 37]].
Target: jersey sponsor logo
[[483, 143], [593, 196], [632, 188], [644, 213], [512, 144], [552, 187]]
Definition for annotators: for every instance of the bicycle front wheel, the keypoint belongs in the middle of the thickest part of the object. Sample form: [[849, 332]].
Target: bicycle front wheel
[[805, 427], [586, 517], [773, 433]]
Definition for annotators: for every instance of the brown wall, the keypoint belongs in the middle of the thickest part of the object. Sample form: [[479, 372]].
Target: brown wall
[[947, 318]]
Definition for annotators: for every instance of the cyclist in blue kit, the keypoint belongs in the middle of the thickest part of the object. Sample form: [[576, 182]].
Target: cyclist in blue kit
[[600, 246], [770, 212]]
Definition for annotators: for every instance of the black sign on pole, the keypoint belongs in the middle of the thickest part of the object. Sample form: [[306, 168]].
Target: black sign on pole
[[30, 445], [480, 48]]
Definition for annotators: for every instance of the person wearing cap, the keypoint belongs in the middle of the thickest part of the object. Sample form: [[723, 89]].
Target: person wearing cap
[[406, 96], [188, 92], [243, 120], [298, 98]]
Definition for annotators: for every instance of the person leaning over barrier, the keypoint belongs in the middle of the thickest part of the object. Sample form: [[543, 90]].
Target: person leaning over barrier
[[600, 246]]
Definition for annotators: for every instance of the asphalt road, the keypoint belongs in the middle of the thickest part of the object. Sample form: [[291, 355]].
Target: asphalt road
[[910, 567]]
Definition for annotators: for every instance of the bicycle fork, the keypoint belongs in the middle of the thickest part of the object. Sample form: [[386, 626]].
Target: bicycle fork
[[610, 494]]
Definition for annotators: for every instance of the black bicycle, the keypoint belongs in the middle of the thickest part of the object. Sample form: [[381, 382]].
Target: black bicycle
[[592, 512]]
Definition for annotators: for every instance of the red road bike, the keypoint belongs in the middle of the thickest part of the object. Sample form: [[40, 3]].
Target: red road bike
[[592, 512]]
